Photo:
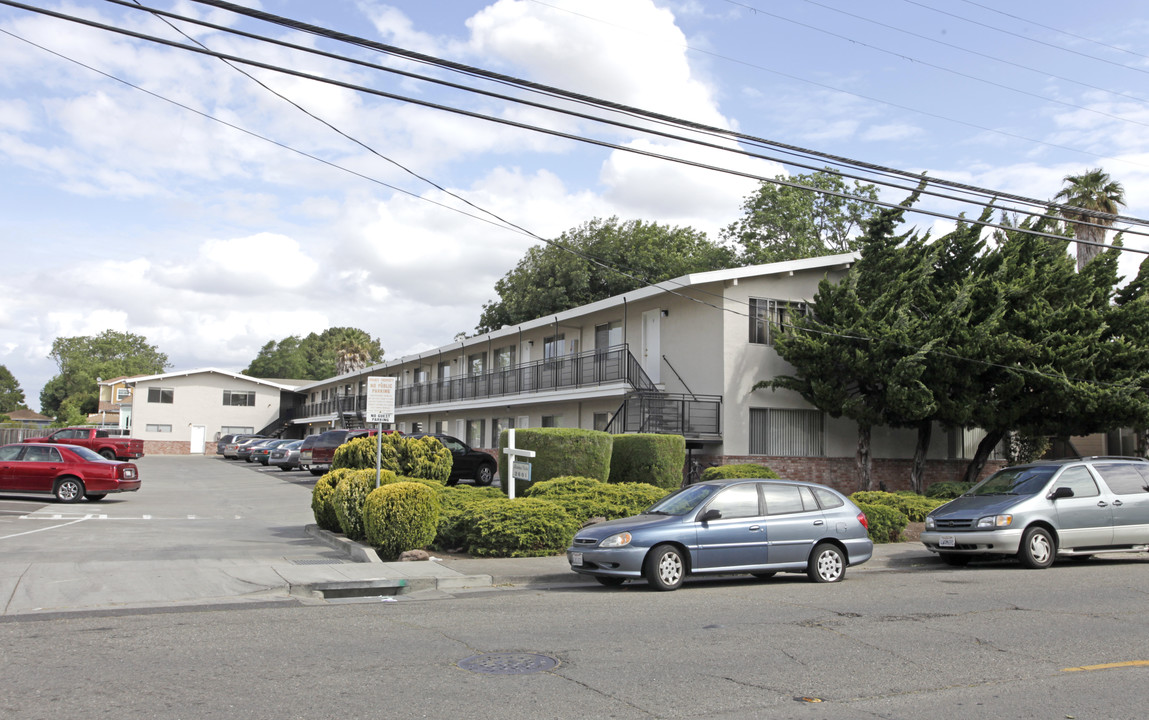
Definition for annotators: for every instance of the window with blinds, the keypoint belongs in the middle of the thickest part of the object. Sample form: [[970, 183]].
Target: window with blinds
[[787, 433]]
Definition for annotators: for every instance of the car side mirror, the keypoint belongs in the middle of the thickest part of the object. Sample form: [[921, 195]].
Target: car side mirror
[[1061, 492], [711, 514]]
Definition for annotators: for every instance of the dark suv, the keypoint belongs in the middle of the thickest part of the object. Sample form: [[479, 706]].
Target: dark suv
[[1059, 508], [317, 451], [466, 461]]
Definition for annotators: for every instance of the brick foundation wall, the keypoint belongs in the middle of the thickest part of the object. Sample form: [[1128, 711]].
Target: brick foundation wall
[[167, 447], [841, 474]]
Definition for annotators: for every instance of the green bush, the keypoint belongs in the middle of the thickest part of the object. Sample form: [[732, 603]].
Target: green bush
[[886, 523], [426, 457], [400, 516], [559, 452], [455, 502], [348, 500], [915, 507], [585, 498], [321, 507], [647, 458], [359, 454], [948, 489], [734, 472], [525, 527]]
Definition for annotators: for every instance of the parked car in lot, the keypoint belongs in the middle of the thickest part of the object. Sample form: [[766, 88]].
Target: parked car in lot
[[754, 526], [466, 461], [69, 472], [261, 452], [316, 455], [1041, 511], [112, 448], [246, 450], [286, 457], [231, 449]]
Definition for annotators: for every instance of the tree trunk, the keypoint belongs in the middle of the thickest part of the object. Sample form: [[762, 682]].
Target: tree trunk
[[1142, 445], [1086, 253], [918, 472], [984, 448], [863, 460]]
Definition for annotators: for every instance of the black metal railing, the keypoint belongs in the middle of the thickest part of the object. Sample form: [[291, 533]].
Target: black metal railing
[[663, 413]]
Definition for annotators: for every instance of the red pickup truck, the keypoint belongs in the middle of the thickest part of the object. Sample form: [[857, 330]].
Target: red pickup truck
[[113, 448]]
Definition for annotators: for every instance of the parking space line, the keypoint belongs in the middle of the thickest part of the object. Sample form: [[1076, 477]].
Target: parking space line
[[29, 532], [1108, 666]]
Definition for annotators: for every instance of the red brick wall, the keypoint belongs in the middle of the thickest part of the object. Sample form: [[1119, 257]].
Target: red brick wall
[[841, 474], [166, 447]]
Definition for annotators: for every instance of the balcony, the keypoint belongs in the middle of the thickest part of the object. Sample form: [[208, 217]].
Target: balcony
[[692, 416]]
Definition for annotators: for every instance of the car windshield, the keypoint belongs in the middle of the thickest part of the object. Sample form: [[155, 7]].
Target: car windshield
[[1015, 481], [683, 501]]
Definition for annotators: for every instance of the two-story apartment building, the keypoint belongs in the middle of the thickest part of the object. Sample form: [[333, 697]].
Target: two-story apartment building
[[679, 357]]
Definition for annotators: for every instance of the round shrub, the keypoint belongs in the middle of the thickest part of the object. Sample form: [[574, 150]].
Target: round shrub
[[649, 459], [454, 504], [348, 499], [359, 454], [948, 489], [734, 472], [886, 523], [321, 506], [525, 527], [400, 516], [426, 457], [915, 507]]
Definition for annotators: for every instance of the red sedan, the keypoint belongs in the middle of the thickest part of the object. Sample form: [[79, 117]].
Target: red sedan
[[69, 472]]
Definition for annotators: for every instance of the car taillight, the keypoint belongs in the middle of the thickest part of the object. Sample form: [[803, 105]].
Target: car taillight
[[862, 519], [129, 474]]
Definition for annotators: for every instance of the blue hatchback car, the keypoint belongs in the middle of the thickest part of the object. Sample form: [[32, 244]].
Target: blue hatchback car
[[756, 526]]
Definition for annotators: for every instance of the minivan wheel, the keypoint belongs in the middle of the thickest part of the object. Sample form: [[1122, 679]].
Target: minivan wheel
[[827, 564], [1037, 548], [665, 568]]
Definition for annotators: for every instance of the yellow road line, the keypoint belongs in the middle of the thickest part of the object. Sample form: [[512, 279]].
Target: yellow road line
[[1108, 666]]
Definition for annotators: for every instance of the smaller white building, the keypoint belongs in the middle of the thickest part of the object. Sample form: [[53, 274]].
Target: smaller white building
[[186, 412]]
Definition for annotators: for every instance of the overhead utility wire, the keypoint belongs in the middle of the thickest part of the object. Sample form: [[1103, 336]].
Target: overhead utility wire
[[1056, 30], [1026, 38], [163, 15], [547, 131], [987, 56], [470, 70], [942, 68]]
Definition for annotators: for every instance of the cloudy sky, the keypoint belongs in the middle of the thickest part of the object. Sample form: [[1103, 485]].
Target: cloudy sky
[[204, 212]]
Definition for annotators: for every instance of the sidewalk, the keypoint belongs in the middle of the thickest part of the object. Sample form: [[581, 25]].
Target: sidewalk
[[47, 588]]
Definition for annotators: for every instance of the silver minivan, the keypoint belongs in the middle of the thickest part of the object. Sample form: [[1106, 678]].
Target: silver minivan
[[1069, 508]]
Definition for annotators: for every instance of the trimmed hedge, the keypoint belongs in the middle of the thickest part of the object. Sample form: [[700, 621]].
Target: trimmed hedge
[[455, 502], [400, 516], [734, 472], [525, 527], [886, 523], [948, 489], [649, 459], [585, 498], [915, 507], [359, 454], [321, 497], [559, 452], [348, 499], [425, 457]]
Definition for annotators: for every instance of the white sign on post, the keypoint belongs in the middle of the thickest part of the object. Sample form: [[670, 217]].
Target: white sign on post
[[380, 400], [519, 470]]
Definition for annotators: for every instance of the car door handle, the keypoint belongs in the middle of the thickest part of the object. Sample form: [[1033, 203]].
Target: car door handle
[[819, 522], [1118, 502], [1102, 503], [755, 528]]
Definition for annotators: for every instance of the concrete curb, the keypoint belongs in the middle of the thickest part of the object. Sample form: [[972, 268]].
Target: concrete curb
[[353, 550]]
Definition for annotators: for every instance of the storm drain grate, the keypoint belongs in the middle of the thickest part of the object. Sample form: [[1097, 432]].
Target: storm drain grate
[[319, 561], [508, 663]]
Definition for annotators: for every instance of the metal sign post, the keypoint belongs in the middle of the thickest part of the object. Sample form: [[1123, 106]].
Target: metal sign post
[[380, 410], [515, 468]]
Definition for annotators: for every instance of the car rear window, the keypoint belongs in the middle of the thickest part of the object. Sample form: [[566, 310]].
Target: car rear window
[[1122, 478], [828, 499]]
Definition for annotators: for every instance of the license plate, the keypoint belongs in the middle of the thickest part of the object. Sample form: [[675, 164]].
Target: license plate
[[576, 558], [947, 541]]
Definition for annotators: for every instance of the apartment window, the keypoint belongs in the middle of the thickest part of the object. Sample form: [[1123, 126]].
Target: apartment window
[[440, 427], [553, 346], [475, 432], [504, 358], [607, 335], [498, 425], [552, 421], [161, 395], [770, 318], [787, 433], [601, 420], [236, 430], [444, 371], [238, 399], [420, 375], [477, 363], [123, 394], [159, 428]]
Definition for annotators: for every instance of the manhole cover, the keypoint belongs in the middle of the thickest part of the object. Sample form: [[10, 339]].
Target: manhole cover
[[508, 663]]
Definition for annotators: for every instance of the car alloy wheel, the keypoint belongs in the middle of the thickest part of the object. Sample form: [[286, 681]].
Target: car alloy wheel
[[485, 476], [68, 490], [827, 564]]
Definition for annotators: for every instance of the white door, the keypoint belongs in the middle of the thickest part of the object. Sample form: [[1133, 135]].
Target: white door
[[198, 434], [651, 344]]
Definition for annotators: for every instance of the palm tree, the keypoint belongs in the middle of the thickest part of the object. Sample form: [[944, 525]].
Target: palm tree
[[1093, 192], [351, 356]]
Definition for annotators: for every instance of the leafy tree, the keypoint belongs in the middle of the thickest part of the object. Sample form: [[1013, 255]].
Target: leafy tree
[[1131, 318], [552, 277], [11, 396], [1093, 192], [83, 359], [334, 351], [786, 223]]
